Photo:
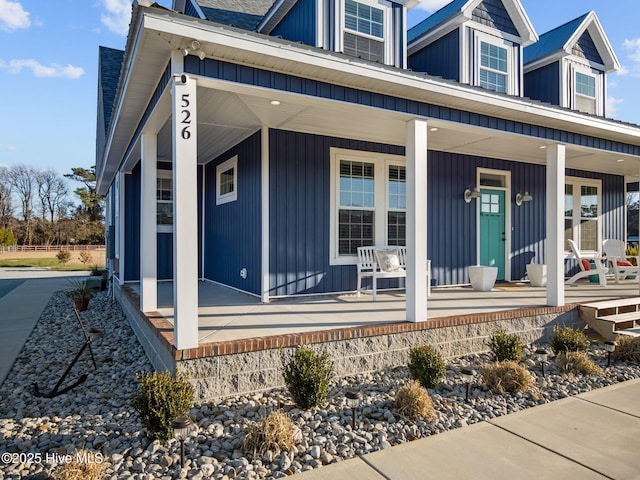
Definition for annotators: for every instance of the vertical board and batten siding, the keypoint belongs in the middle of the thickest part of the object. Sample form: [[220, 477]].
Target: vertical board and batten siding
[[232, 231], [437, 58], [299, 24], [543, 84], [132, 229], [299, 203], [493, 14], [190, 10]]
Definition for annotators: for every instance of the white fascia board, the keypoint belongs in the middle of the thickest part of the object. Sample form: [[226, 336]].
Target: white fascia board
[[544, 61], [522, 22], [302, 61]]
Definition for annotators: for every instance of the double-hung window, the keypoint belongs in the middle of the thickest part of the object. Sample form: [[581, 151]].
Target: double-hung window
[[494, 71], [582, 219], [368, 202], [585, 93], [164, 201], [364, 30]]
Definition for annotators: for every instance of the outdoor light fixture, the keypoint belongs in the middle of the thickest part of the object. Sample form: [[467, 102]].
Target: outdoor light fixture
[[471, 194], [542, 355], [610, 347], [353, 397], [182, 428], [195, 49], [467, 375], [275, 102], [523, 198]]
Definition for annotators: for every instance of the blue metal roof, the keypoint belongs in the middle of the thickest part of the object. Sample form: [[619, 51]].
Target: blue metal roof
[[436, 19], [110, 66], [553, 40]]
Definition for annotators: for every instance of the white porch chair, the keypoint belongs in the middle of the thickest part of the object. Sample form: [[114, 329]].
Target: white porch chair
[[590, 264], [616, 254]]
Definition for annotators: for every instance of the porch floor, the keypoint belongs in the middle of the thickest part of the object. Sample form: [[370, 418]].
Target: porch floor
[[228, 315]]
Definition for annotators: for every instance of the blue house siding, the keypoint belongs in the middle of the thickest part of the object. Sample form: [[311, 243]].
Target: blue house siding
[[300, 23], [190, 10], [436, 58], [493, 14], [278, 81], [233, 230], [299, 202], [543, 84]]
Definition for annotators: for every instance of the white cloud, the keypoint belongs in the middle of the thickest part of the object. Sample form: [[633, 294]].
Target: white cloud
[[612, 105], [432, 5], [117, 15], [7, 148], [42, 71], [13, 16], [634, 47]]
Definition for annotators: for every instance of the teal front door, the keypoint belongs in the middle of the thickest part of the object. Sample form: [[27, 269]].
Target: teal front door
[[492, 229]]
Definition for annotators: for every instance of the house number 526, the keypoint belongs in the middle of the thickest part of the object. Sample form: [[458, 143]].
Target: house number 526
[[186, 117]]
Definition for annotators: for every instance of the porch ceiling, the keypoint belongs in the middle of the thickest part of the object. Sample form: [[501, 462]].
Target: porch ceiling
[[227, 114]]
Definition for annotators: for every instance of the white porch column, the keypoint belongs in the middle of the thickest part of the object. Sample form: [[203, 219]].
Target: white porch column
[[185, 208], [555, 225], [121, 226], [416, 282], [148, 234]]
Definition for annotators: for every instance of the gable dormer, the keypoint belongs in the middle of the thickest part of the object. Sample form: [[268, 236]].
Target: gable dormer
[[568, 66], [477, 42]]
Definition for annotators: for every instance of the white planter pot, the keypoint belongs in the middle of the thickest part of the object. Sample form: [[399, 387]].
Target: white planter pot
[[482, 278], [537, 274]]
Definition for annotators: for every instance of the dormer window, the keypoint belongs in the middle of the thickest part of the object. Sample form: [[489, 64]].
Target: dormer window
[[585, 93], [365, 30], [494, 64], [493, 67]]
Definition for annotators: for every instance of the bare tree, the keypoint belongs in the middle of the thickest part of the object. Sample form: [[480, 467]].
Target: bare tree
[[6, 205], [22, 178], [52, 193]]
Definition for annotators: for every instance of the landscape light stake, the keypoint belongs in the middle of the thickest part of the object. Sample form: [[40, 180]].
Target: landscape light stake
[[467, 375], [610, 347], [542, 355], [182, 428], [353, 397]]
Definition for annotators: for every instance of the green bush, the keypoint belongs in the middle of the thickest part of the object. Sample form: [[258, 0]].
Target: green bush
[[162, 398], [632, 251], [307, 375], [426, 365], [63, 256], [6, 238], [567, 339], [505, 346]]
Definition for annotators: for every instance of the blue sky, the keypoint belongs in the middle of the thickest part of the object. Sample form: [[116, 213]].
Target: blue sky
[[49, 60]]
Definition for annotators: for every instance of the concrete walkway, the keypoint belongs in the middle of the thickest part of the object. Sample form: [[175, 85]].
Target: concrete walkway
[[591, 436], [24, 293]]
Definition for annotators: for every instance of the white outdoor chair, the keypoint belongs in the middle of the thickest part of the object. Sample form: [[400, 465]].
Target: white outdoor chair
[[616, 254], [590, 264]]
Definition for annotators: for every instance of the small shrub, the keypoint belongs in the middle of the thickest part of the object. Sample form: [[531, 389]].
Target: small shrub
[[84, 465], [7, 239], [63, 256], [162, 398], [508, 377], [567, 339], [505, 346], [628, 349], [275, 432], [579, 362], [632, 251], [307, 375], [413, 401], [85, 257], [426, 365]]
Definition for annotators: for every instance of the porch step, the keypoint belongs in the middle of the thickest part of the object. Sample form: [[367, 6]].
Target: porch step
[[613, 317]]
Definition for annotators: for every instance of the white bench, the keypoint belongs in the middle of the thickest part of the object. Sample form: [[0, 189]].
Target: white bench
[[369, 266]]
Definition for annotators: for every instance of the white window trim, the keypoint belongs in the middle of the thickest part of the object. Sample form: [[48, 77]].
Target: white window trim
[[165, 174], [115, 200], [586, 70], [220, 169], [381, 199], [387, 28], [512, 67], [578, 182]]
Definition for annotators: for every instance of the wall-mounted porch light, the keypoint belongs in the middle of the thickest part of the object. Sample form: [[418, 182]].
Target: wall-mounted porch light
[[471, 194], [523, 198]]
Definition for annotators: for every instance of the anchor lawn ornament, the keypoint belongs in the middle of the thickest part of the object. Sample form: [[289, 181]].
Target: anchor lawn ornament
[[56, 389]]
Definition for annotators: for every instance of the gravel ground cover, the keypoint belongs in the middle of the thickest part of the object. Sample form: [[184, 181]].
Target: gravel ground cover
[[38, 435]]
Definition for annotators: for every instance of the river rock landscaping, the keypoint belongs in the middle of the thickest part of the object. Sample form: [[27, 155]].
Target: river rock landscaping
[[38, 435]]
